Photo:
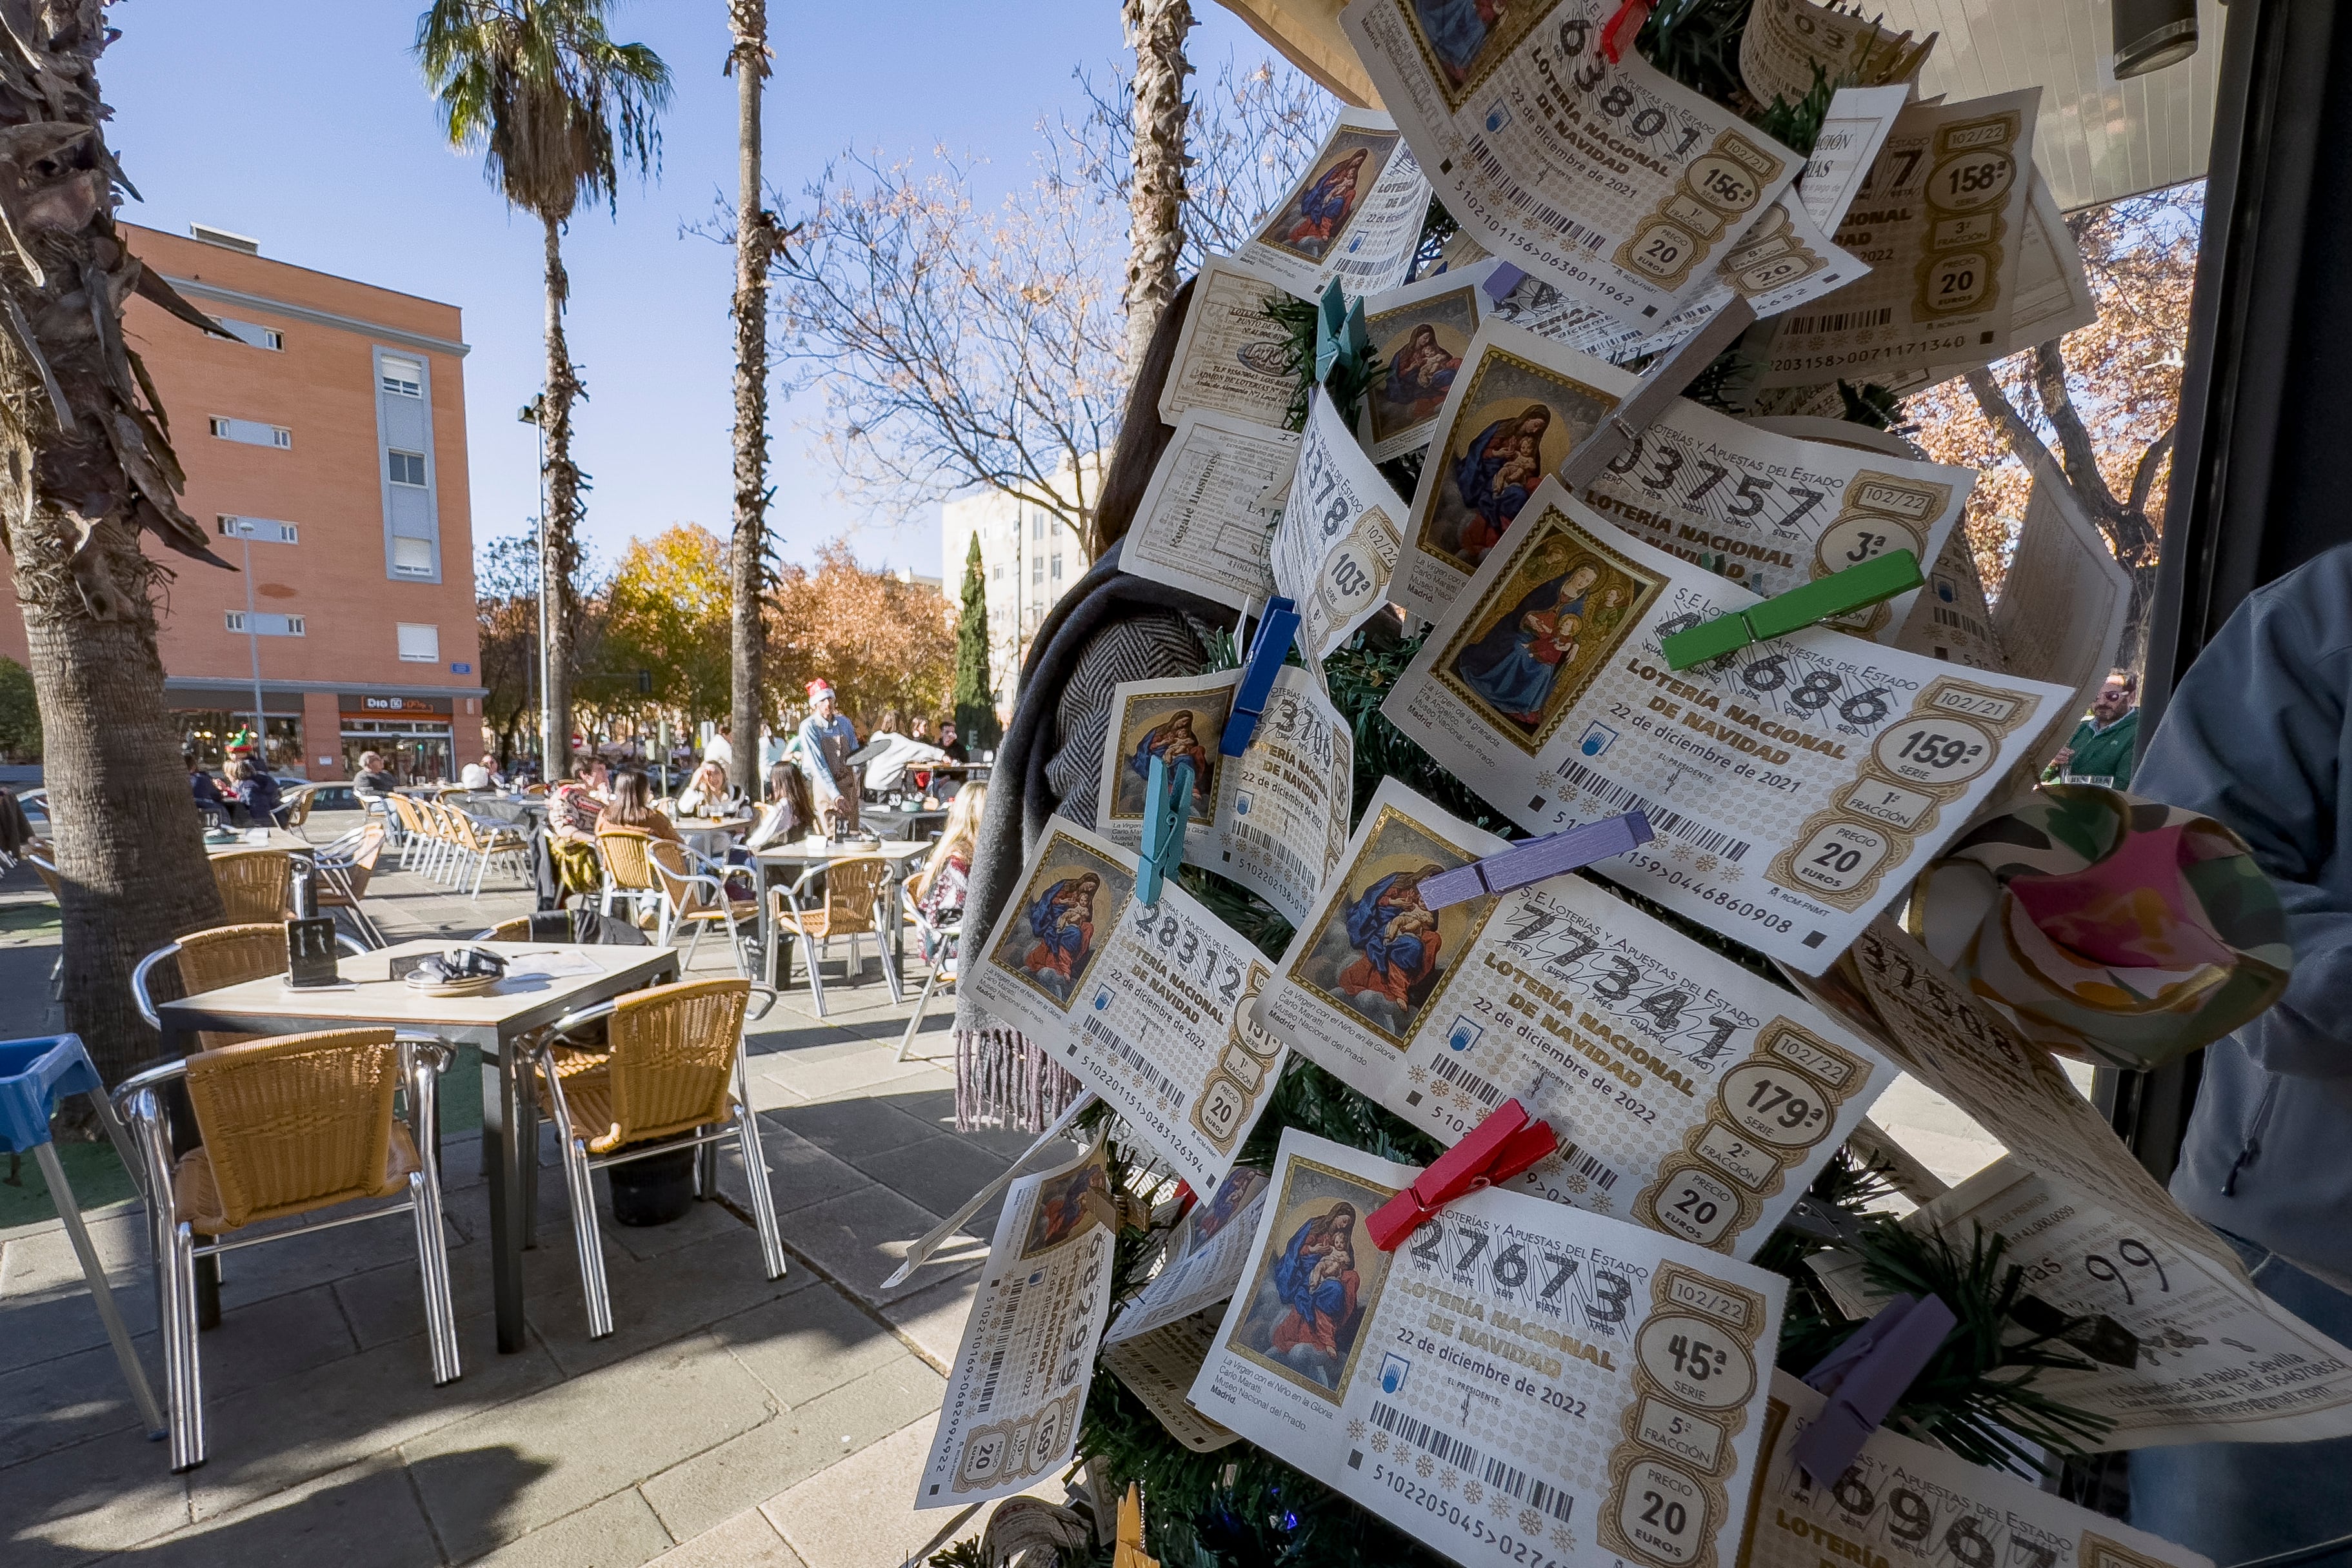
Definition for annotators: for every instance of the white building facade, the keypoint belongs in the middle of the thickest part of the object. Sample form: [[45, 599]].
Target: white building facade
[[1028, 559]]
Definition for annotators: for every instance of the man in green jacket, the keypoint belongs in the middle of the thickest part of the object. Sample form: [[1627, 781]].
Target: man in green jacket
[[2101, 751]]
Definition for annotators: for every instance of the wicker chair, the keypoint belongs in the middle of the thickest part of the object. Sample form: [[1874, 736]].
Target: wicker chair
[[209, 959], [484, 841], [415, 837], [695, 894], [345, 869], [286, 1126], [628, 869], [671, 1075], [943, 945], [253, 884], [854, 892], [296, 811]]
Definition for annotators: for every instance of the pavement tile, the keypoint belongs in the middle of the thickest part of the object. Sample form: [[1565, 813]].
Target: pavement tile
[[799, 1172], [73, 1504], [746, 1541], [860, 1513], [933, 1317], [655, 1301], [863, 1073], [859, 1239], [620, 1532], [939, 1173], [46, 1301], [846, 1129], [809, 1344], [289, 1431], [363, 1516], [808, 1439], [595, 1435]]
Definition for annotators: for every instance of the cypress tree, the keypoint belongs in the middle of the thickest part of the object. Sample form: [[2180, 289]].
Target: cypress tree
[[975, 700]]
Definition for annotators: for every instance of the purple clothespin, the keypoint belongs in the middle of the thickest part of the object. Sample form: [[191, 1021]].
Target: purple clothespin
[[1865, 1377], [1502, 280], [1536, 858]]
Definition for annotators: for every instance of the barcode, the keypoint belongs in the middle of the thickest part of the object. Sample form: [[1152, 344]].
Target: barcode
[[1841, 320], [1451, 1069], [1552, 1500], [1508, 1479], [996, 1361], [1574, 1158], [1132, 1057], [1289, 862], [1617, 798], [1447, 1448], [1520, 196], [1954, 618]]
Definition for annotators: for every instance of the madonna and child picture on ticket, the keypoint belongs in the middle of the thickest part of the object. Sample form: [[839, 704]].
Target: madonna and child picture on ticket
[[1380, 952], [1302, 1315], [1052, 936]]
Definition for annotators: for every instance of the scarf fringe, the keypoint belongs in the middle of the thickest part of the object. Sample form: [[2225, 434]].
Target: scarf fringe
[[1004, 1080]]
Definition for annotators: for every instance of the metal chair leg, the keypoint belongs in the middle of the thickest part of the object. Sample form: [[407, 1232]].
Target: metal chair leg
[[433, 1274], [755, 1176], [183, 1369], [890, 970], [906, 1040], [687, 966], [101, 1294], [585, 1237], [816, 980]]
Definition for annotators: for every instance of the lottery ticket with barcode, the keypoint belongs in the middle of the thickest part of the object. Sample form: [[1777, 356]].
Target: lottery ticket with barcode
[[1232, 356], [1019, 1385], [2170, 1347], [1354, 216], [1274, 818], [1690, 1096], [1517, 1384], [1940, 219], [1206, 520], [1609, 180], [1796, 786], [1159, 1369], [1789, 46], [1204, 1258], [1142, 1003], [1902, 1504], [1335, 550], [1772, 512]]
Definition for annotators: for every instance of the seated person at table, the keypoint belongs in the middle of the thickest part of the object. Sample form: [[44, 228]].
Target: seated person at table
[[257, 792], [791, 809], [373, 780], [633, 807], [577, 804], [479, 775], [705, 794], [939, 885], [201, 785]]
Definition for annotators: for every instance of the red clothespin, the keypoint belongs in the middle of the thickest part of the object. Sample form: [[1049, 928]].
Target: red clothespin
[[1621, 29], [1865, 1377], [1498, 1148]]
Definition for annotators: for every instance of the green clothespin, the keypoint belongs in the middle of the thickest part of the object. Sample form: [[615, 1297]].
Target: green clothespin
[[1340, 335], [1839, 593]]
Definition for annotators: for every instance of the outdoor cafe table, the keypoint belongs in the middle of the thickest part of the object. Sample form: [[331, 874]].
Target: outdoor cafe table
[[796, 857], [495, 1022], [273, 839]]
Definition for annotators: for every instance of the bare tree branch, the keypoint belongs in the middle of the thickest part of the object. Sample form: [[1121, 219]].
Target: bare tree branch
[[2151, 463], [2073, 436]]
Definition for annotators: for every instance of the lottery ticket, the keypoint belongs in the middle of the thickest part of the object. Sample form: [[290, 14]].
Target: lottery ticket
[[1796, 786], [1142, 1003], [2183, 1351], [1771, 512], [1207, 518], [1856, 126], [1785, 260], [1940, 219], [1335, 550], [1610, 180], [1421, 334], [1788, 46], [1020, 1373], [1274, 818], [1517, 1384], [1159, 1369], [1204, 1258], [2053, 292], [2065, 605], [1904, 1504], [1690, 1096], [1948, 620], [1518, 407], [1534, 306], [1354, 216], [1232, 358]]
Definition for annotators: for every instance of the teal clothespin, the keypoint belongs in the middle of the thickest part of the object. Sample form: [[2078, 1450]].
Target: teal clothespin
[[1340, 335], [1167, 811], [1855, 588]]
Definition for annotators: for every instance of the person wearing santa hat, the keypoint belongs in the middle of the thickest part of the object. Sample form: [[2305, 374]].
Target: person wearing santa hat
[[827, 739]]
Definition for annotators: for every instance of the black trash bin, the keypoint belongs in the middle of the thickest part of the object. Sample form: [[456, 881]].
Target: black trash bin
[[655, 1190]]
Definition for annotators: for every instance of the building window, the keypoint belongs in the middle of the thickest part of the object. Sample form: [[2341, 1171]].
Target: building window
[[253, 432], [404, 378], [1058, 565], [420, 645], [1037, 571], [1037, 525], [251, 334], [999, 573], [265, 529], [406, 467], [261, 625], [412, 557]]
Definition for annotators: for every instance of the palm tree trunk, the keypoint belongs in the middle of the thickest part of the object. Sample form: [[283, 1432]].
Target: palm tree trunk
[[84, 465], [755, 239], [1155, 31], [559, 535]]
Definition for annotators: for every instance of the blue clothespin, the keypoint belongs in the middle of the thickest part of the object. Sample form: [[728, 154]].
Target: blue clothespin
[[1341, 334], [1275, 630], [1865, 1377], [1536, 858], [1167, 811]]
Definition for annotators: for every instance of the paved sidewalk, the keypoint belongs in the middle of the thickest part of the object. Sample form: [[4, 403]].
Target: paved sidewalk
[[729, 1418]]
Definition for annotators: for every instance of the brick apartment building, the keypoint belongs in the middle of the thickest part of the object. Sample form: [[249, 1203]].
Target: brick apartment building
[[327, 438]]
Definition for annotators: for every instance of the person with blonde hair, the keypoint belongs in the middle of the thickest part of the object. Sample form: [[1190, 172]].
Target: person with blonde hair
[[940, 886]]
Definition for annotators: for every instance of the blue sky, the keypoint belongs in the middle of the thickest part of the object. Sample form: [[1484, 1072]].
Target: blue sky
[[305, 124]]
